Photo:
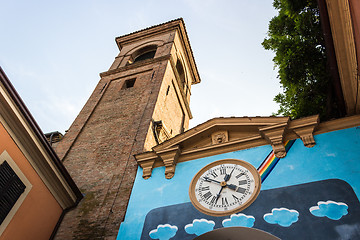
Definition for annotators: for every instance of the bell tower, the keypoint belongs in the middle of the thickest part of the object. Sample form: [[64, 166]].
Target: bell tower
[[141, 101]]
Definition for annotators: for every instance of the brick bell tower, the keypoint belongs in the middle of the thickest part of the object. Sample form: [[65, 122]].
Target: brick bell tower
[[142, 100]]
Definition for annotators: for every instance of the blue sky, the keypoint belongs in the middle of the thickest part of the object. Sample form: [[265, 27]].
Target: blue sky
[[53, 52]]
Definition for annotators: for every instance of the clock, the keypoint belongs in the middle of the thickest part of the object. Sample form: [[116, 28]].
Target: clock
[[225, 187]]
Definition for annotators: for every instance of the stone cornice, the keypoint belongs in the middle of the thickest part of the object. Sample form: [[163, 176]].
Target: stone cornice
[[135, 65], [223, 122], [258, 131]]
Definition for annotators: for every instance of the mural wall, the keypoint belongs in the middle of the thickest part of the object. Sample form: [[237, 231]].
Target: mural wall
[[312, 193]]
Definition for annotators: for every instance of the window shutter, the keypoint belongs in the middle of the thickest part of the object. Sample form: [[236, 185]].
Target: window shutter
[[11, 187]]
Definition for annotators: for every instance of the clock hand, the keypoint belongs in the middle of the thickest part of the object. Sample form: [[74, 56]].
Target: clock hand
[[218, 195], [236, 188], [230, 186], [228, 176], [211, 180]]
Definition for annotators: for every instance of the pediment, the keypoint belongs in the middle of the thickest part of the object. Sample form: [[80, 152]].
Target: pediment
[[221, 135], [233, 128]]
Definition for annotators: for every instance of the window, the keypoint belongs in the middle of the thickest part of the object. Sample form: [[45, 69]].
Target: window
[[144, 56], [11, 188], [129, 83], [181, 72], [14, 187]]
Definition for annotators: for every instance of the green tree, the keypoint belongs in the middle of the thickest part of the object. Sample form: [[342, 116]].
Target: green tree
[[296, 37]]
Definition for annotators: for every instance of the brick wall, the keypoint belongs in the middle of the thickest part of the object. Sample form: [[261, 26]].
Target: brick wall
[[115, 124]]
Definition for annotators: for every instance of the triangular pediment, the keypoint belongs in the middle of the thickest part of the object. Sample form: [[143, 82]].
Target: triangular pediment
[[234, 129], [221, 135]]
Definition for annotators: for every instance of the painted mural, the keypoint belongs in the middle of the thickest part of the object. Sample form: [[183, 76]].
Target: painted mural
[[312, 193], [297, 212]]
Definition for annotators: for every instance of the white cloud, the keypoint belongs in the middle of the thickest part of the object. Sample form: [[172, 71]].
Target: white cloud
[[239, 220], [282, 216], [199, 226], [330, 209], [163, 232]]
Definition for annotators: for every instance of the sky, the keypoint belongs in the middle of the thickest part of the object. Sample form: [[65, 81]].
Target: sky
[[53, 52]]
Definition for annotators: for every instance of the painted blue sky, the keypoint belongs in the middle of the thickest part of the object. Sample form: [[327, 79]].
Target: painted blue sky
[[53, 53]]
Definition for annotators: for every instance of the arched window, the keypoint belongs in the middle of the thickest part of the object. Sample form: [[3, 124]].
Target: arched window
[[144, 53], [181, 72]]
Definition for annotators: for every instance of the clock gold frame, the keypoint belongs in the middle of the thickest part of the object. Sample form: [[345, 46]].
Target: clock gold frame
[[248, 166]]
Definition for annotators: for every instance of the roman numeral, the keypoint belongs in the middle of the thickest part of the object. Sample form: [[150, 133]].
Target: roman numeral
[[224, 201], [237, 176], [214, 174], [241, 190], [213, 200], [205, 188], [207, 195], [235, 198], [206, 179], [222, 170], [241, 182]]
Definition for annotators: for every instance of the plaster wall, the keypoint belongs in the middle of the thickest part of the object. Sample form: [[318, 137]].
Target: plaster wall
[[335, 156], [179, 52], [39, 212], [168, 102]]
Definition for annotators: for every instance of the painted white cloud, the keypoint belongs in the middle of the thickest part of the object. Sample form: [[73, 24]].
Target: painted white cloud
[[199, 226], [282, 216], [163, 232], [239, 220], [330, 209]]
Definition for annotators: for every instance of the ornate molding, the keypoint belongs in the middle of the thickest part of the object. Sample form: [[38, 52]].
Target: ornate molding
[[304, 128], [219, 137], [274, 134], [169, 158], [146, 162], [160, 131]]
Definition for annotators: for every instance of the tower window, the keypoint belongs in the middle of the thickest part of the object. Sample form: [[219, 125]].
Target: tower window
[[181, 72], [146, 55], [129, 83], [11, 187], [142, 54]]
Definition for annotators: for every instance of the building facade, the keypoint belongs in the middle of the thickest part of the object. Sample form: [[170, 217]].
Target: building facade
[[309, 170], [35, 188], [309, 189], [142, 100], [140, 108]]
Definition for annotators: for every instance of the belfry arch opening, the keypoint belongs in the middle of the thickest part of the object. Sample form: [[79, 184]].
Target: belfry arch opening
[[144, 53], [181, 72]]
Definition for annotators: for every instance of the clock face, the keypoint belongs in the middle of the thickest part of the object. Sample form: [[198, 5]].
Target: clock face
[[225, 187]]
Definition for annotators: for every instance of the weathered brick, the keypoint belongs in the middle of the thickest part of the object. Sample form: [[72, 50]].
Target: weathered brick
[[115, 124]]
